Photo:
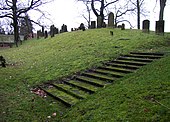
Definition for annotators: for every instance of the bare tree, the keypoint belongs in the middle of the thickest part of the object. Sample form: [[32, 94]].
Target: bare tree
[[88, 10], [103, 5], [13, 9], [162, 6], [121, 10], [140, 10]]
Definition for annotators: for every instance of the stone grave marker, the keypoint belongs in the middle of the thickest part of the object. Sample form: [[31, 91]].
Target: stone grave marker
[[111, 20], [93, 24], [52, 30], [99, 22], [123, 27], [45, 35], [104, 25], [82, 27], [160, 27], [146, 26], [42, 30]]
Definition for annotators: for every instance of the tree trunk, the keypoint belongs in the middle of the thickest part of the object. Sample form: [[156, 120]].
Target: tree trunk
[[15, 23], [94, 10], [138, 14], [102, 10], [162, 6]]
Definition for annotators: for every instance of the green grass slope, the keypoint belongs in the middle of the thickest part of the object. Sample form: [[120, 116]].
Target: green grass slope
[[38, 61], [140, 97]]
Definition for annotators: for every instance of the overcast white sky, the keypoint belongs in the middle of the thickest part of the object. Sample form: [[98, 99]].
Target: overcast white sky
[[69, 12]]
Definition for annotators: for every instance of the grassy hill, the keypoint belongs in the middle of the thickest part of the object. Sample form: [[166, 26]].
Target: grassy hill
[[141, 96]]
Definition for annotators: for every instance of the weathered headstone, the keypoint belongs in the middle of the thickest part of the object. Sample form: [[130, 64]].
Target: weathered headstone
[[42, 30], [123, 27], [2, 61], [45, 35], [146, 25], [63, 28], [82, 27], [160, 27], [52, 30], [99, 22], [111, 20], [56, 30], [93, 24], [38, 34], [104, 25]]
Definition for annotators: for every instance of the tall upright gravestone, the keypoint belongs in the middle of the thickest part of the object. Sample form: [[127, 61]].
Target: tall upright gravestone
[[99, 22], [52, 30], [160, 27], [111, 20], [145, 26], [93, 24]]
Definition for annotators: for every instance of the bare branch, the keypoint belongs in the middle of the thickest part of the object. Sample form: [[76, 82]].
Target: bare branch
[[111, 3]]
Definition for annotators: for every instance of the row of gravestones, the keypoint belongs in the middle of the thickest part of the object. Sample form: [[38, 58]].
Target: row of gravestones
[[101, 24], [146, 24], [159, 28], [53, 31]]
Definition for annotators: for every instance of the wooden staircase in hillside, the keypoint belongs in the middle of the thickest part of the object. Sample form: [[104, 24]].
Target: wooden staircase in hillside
[[72, 90]]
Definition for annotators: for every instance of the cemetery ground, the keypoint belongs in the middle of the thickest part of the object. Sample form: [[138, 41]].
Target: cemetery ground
[[140, 96]]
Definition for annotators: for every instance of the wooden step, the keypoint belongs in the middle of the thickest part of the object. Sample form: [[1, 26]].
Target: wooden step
[[115, 69], [143, 56], [79, 94], [125, 66], [61, 96], [129, 63], [135, 59], [81, 85], [154, 54], [98, 76], [92, 81], [107, 72]]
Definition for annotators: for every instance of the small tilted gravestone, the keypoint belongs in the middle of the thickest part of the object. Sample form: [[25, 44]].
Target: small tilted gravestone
[[56, 30], [104, 25], [2, 61], [99, 22], [123, 27], [45, 35], [38, 34], [160, 27], [82, 27], [63, 28], [93, 25], [111, 20], [146, 25]]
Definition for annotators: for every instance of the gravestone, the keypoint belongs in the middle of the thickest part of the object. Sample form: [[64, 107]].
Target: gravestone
[[160, 27], [42, 30], [52, 30], [123, 27], [111, 20], [93, 24], [63, 28], [38, 34], [104, 25], [82, 27], [45, 35], [56, 30], [2, 61], [145, 26], [99, 22]]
